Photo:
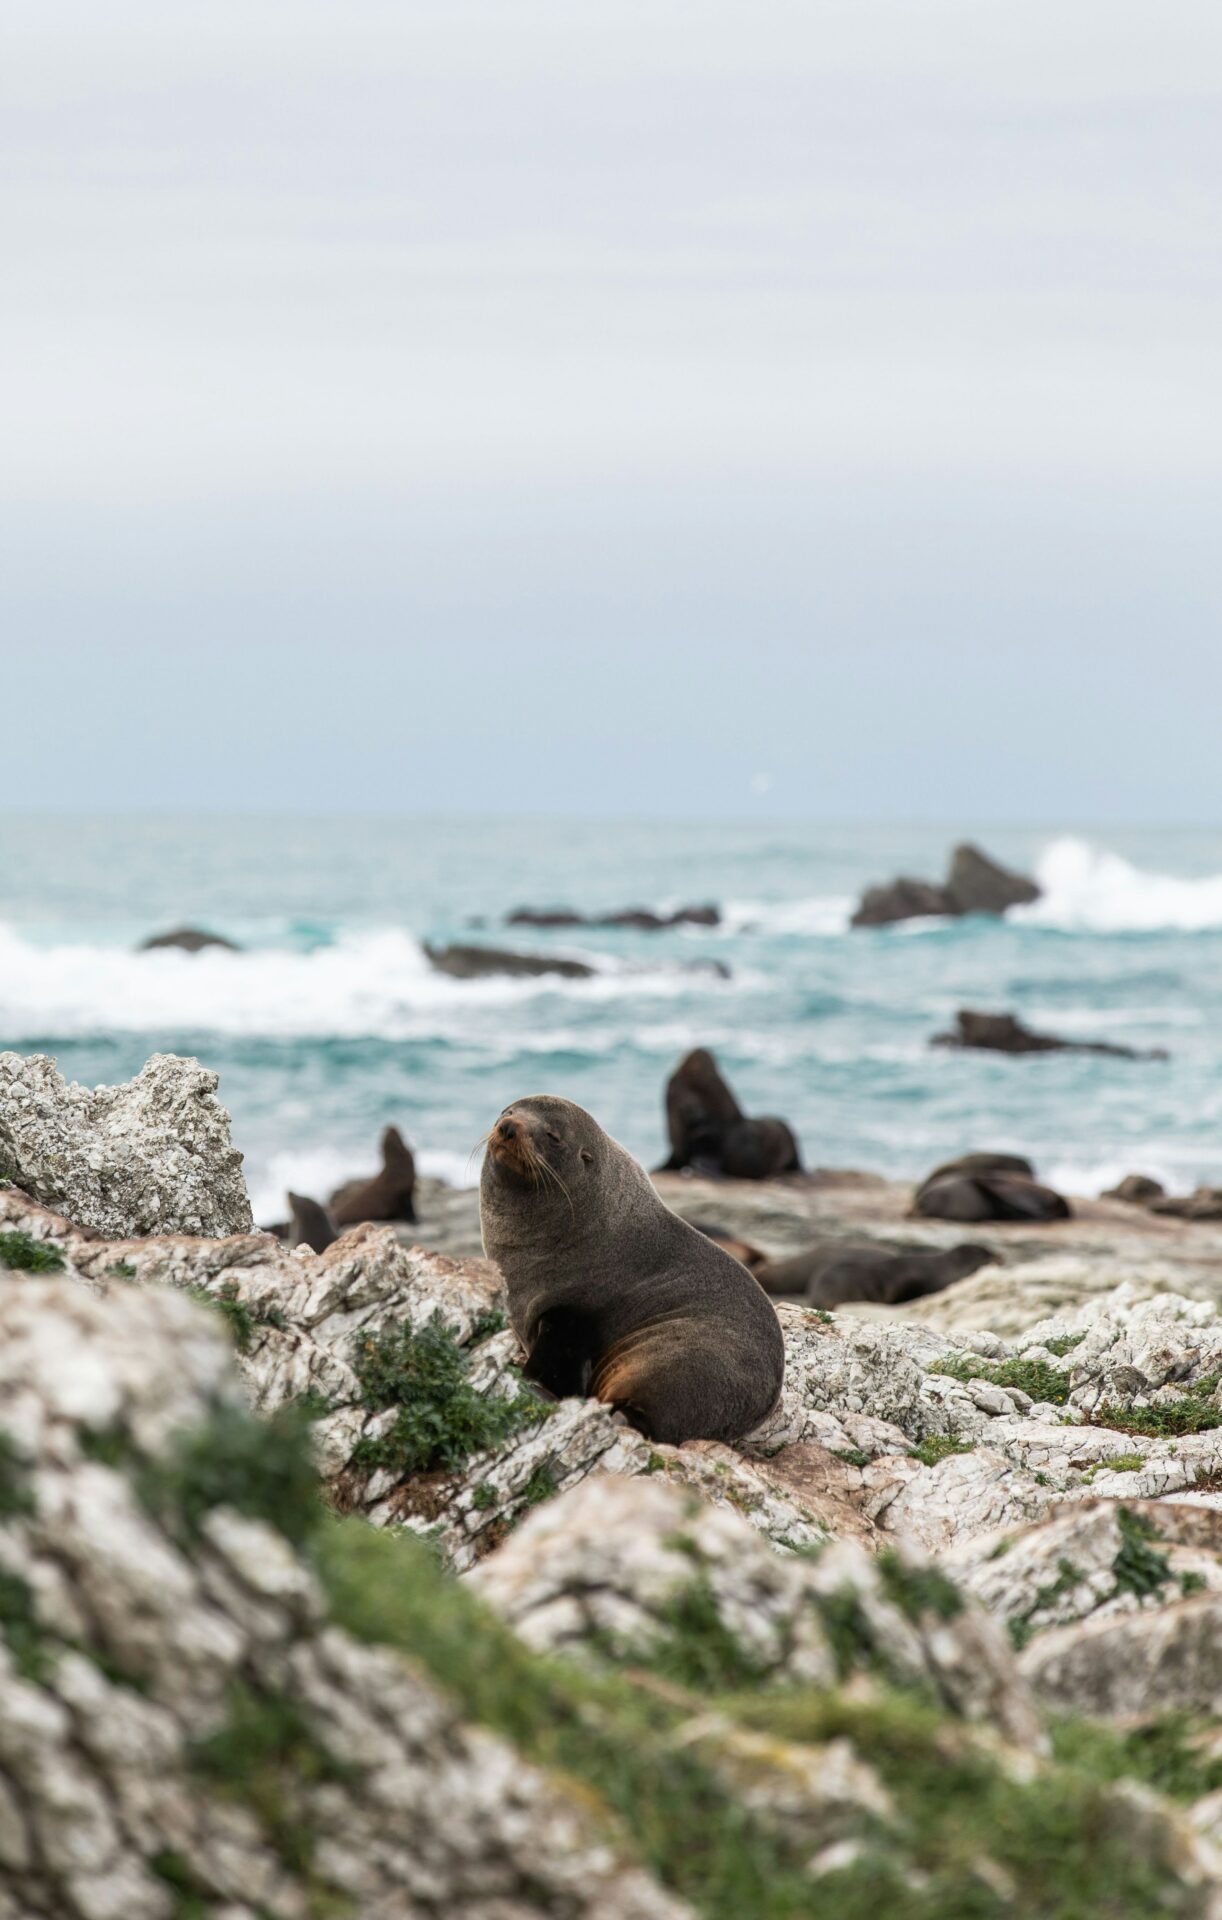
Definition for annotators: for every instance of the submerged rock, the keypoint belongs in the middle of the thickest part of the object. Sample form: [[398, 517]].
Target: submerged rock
[[151, 1156]]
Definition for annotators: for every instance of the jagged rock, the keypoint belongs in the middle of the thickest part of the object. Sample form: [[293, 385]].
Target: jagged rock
[[138, 1628], [480, 963], [1122, 1666], [1094, 1560], [622, 1568], [902, 899], [188, 940], [974, 884], [978, 884], [151, 1156]]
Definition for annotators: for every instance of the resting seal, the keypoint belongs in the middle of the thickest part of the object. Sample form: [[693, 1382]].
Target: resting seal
[[611, 1293], [388, 1196], [835, 1272]]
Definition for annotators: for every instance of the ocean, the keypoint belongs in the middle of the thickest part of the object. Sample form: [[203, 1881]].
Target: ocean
[[332, 1023]]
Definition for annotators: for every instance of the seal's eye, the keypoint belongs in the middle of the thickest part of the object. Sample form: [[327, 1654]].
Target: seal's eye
[[587, 1156]]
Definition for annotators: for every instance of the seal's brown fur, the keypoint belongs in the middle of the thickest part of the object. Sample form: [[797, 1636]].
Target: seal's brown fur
[[611, 1293], [388, 1196]]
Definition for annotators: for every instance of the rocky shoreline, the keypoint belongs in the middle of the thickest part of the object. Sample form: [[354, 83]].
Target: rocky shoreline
[[972, 1562]]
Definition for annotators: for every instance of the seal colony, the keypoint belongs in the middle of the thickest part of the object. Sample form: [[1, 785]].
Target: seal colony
[[611, 1294]]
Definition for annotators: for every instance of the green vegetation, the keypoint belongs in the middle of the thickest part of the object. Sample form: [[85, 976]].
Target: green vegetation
[[485, 1325], [484, 1497], [1066, 1856], [854, 1456], [24, 1254], [190, 1895], [540, 1487], [440, 1420], [312, 1404], [1122, 1463], [1020, 1627], [239, 1316], [1033, 1377], [1192, 1411], [1176, 1755], [15, 1496], [918, 1590], [698, 1650], [939, 1446], [19, 1627], [1138, 1568], [1063, 1343], [261, 1467]]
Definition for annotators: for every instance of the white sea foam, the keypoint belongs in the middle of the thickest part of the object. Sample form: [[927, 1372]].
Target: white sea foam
[[1087, 889], [368, 983], [822, 915]]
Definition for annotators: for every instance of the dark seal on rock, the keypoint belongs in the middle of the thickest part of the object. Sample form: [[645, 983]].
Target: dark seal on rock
[[611, 1294], [188, 940], [760, 1150], [699, 1110], [988, 1196], [835, 1272], [388, 1196], [710, 1133], [309, 1226]]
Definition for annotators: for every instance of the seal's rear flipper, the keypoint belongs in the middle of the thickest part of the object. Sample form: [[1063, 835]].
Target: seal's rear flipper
[[561, 1359]]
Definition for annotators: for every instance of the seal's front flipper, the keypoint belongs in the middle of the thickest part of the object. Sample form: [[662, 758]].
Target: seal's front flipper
[[561, 1358]]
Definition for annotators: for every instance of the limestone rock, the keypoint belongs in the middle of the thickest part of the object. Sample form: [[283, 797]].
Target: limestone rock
[[622, 1568], [978, 884], [151, 1156], [137, 1629]]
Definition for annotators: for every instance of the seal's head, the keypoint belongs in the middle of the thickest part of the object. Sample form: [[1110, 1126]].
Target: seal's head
[[542, 1142]]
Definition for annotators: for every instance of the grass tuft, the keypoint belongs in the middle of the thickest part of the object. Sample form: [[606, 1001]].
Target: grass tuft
[[940, 1446]]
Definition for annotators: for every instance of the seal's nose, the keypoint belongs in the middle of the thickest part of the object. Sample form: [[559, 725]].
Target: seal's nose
[[508, 1129]]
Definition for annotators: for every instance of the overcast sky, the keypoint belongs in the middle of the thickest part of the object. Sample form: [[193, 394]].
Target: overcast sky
[[613, 405]]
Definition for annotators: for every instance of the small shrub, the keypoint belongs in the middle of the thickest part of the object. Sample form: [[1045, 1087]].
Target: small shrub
[[440, 1420], [121, 1270], [1137, 1567], [24, 1254]]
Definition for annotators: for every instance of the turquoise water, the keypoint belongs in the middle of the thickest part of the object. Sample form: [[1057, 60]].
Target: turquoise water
[[331, 1023]]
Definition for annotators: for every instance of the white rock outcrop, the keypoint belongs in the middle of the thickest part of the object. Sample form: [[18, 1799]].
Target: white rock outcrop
[[152, 1156]]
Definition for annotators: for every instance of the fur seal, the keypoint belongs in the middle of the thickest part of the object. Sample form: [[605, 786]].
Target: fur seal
[[309, 1226], [760, 1149], [834, 1272], [388, 1196], [988, 1196], [614, 1295], [188, 940], [709, 1132], [699, 1109]]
